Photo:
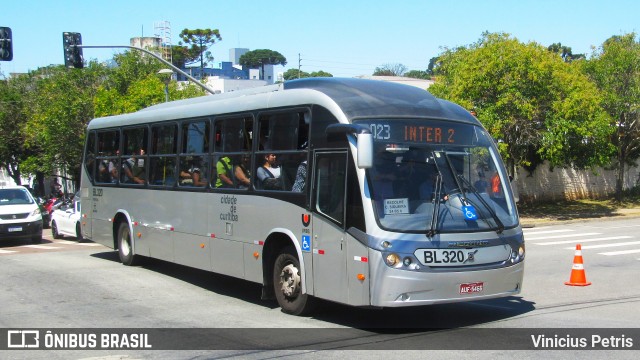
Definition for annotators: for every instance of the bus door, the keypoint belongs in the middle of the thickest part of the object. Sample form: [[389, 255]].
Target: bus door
[[329, 239]]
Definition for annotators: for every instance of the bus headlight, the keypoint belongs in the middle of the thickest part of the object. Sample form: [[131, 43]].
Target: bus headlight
[[392, 259], [518, 256]]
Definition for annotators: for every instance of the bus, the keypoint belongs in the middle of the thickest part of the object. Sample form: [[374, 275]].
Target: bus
[[378, 194]]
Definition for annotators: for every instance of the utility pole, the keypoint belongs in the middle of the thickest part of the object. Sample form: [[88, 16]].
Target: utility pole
[[299, 65]]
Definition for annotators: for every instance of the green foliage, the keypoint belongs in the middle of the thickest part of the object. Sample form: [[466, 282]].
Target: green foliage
[[134, 85], [293, 74], [538, 106], [390, 70], [259, 58], [13, 94], [418, 74], [200, 40], [60, 107], [615, 68]]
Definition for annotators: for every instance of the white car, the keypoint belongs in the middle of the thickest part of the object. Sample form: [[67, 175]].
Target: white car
[[66, 221], [20, 216]]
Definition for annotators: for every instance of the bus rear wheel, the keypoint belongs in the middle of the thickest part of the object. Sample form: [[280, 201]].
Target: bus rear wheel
[[288, 284], [125, 245]]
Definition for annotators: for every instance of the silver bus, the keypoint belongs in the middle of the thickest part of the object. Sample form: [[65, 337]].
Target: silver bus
[[360, 192]]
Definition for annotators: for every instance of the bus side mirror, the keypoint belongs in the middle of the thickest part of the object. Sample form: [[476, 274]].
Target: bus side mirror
[[364, 138], [365, 151]]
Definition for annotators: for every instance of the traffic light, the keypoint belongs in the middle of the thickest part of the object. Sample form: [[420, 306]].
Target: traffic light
[[72, 52], [6, 46]]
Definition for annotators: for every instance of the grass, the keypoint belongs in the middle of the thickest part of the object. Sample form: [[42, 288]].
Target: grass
[[580, 209]]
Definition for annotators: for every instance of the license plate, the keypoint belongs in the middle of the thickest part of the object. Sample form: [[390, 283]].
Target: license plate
[[471, 288], [445, 257], [15, 229]]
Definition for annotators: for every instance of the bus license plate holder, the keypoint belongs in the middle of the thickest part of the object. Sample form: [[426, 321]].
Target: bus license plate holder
[[471, 288], [446, 257], [15, 229]]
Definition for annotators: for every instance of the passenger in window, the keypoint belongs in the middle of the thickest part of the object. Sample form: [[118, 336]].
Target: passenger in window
[[268, 174], [134, 170], [103, 171], [242, 173], [223, 168], [193, 175], [301, 177], [301, 172]]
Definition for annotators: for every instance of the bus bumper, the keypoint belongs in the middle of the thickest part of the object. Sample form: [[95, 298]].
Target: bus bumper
[[396, 288]]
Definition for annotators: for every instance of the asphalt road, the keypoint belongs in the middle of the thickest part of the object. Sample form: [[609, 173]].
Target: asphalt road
[[65, 284]]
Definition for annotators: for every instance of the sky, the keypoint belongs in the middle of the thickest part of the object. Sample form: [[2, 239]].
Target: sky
[[342, 37]]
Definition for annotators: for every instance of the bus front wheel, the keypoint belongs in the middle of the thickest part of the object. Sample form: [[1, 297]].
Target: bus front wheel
[[125, 245], [288, 284]]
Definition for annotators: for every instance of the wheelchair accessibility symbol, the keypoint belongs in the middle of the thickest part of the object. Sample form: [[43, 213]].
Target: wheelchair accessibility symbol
[[306, 243], [469, 212]]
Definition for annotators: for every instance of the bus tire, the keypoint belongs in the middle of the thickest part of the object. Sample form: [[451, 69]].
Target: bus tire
[[125, 245], [287, 284]]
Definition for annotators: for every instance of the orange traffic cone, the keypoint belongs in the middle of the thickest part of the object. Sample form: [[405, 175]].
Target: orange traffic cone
[[578, 277]]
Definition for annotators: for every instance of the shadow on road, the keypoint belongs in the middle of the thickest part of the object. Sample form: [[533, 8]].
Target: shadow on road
[[387, 320]]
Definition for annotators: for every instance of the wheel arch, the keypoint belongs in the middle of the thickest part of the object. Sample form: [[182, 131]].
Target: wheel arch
[[277, 240]]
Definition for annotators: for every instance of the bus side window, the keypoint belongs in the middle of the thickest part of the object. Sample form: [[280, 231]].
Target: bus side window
[[134, 159], [163, 155], [285, 134], [194, 164], [233, 142]]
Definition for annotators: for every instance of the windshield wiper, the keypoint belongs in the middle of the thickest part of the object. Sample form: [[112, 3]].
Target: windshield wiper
[[436, 207], [499, 225]]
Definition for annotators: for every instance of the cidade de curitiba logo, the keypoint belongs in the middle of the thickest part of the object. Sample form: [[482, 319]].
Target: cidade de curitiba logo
[[79, 339]]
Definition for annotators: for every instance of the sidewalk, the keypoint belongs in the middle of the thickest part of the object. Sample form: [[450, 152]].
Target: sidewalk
[[579, 217]]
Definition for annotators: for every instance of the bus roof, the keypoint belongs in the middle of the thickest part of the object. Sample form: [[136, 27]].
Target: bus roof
[[356, 98]]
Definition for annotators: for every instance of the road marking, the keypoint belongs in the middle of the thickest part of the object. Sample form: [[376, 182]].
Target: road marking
[[44, 247], [584, 240], [534, 232], [6, 251], [620, 252], [88, 244], [605, 245], [561, 236]]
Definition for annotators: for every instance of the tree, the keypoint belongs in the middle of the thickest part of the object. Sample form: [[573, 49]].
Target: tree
[[134, 85], [615, 68], [537, 106], [390, 70], [320, 73], [13, 101], [417, 74], [565, 52], [200, 40], [259, 58], [59, 111], [293, 74]]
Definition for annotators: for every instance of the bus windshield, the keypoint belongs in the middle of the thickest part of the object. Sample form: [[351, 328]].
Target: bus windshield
[[437, 177]]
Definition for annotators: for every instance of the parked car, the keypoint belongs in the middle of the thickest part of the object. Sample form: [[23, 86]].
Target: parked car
[[65, 221], [20, 216]]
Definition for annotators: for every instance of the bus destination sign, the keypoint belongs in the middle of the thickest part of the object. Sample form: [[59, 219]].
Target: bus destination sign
[[425, 132]]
